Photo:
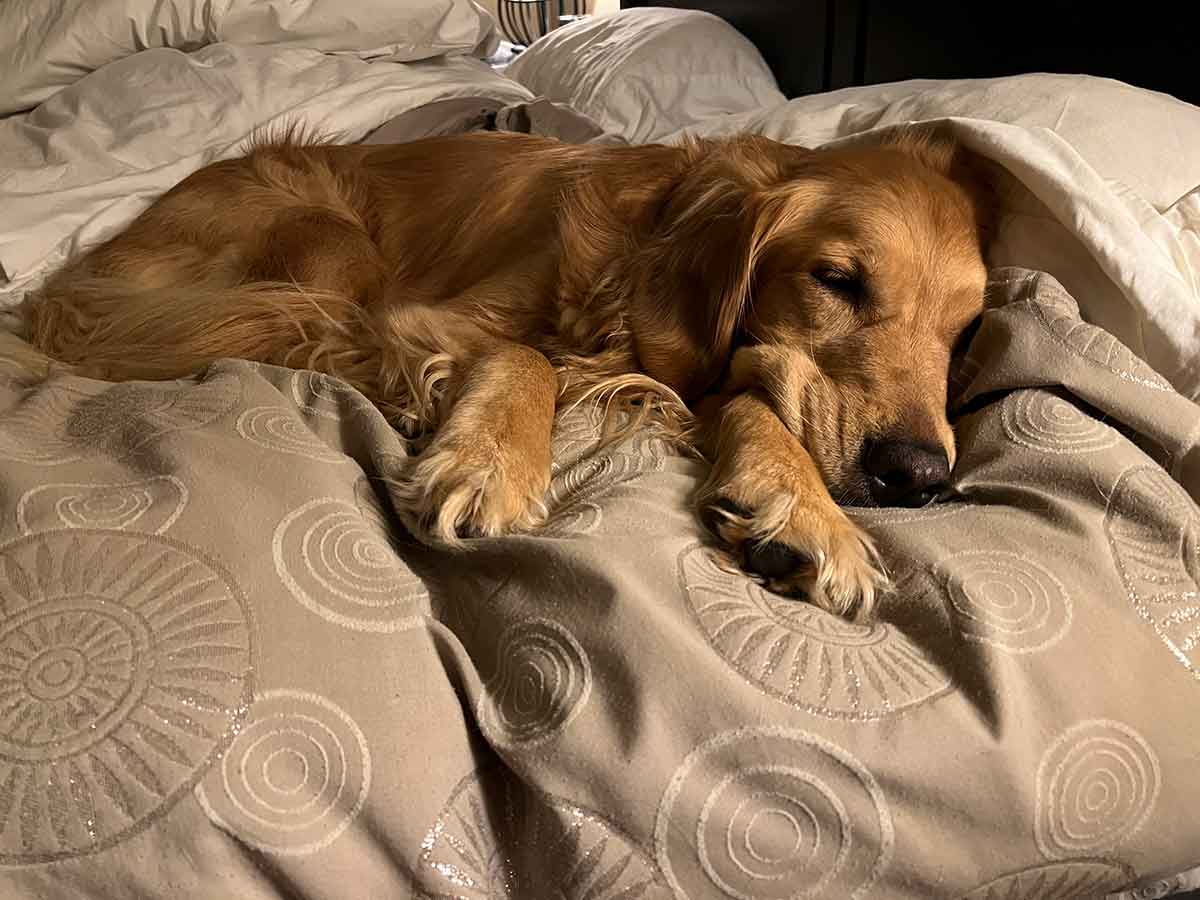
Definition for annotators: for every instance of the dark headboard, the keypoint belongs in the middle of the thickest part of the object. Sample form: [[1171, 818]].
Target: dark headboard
[[822, 45]]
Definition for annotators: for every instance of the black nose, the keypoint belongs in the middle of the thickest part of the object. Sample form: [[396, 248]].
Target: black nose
[[904, 474]]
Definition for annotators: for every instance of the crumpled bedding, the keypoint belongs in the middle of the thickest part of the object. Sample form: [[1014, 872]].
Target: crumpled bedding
[[1099, 184], [467, 114], [45, 47], [1101, 181], [226, 672], [88, 160]]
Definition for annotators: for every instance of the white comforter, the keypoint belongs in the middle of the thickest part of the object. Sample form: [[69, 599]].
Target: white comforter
[[1103, 188], [95, 153], [1104, 179]]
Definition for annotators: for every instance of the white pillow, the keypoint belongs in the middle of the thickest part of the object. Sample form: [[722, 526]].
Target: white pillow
[[46, 45], [644, 73]]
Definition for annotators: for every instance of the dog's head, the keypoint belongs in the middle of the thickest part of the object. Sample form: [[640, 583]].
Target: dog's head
[[837, 283]]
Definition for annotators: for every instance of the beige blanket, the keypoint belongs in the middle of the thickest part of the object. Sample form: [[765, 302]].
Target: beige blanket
[[225, 673]]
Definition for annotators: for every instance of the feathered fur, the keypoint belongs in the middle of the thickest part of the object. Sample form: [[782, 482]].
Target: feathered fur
[[473, 285]]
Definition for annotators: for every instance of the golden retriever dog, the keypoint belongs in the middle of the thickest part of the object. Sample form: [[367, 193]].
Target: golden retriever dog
[[788, 313]]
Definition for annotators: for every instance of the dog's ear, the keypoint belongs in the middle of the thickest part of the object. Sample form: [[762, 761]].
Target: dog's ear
[[695, 269], [935, 145]]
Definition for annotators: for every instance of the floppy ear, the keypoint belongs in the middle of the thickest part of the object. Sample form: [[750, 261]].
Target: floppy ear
[[936, 146], [695, 271]]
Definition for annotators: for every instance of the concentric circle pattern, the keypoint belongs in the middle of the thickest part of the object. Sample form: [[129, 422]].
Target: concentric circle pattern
[[127, 666], [277, 428], [802, 655], [1006, 600], [576, 494], [322, 395], [769, 814], [151, 505], [1153, 529], [542, 681], [1096, 785], [340, 565], [496, 839], [577, 435], [1044, 422], [294, 778]]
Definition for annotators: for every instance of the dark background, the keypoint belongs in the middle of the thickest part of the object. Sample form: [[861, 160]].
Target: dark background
[[822, 45]]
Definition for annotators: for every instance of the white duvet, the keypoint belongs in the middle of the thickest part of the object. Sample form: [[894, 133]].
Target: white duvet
[[92, 157], [1104, 179], [1103, 188], [46, 45], [136, 94]]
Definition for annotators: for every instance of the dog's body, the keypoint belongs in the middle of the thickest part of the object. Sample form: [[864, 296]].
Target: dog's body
[[802, 303]]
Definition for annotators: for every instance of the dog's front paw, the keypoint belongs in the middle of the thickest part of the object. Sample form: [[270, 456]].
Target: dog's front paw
[[470, 488], [801, 550]]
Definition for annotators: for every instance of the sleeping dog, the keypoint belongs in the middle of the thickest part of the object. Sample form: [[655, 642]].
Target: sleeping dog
[[789, 314]]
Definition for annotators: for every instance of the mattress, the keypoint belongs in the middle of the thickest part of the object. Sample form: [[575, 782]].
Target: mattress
[[226, 671]]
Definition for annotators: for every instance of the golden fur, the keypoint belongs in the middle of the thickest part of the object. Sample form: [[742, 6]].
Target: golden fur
[[803, 303]]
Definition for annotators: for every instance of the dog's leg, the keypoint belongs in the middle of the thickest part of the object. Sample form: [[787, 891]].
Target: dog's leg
[[488, 466], [765, 499]]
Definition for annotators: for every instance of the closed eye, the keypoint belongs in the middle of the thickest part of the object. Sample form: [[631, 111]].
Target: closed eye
[[846, 282]]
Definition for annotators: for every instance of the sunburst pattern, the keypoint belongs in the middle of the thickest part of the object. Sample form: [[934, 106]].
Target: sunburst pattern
[[1076, 879], [802, 655], [1153, 528], [577, 435], [125, 667], [496, 839], [1059, 313]]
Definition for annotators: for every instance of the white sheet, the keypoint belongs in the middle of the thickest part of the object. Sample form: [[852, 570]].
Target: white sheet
[[46, 45], [1102, 190], [85, 162], [647, 72]]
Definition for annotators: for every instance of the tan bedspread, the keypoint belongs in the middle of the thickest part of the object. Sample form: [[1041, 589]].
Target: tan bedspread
[[224, 672]]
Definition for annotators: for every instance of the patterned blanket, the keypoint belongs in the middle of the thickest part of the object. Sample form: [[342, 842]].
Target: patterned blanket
[[226, 672]]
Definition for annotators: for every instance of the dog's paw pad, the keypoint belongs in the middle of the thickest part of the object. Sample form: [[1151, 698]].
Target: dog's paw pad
[[451, 494], [773, 559], [825, 559]]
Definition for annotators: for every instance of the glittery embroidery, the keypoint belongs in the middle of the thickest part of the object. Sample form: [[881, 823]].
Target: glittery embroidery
[[802, 655], [125, 664]]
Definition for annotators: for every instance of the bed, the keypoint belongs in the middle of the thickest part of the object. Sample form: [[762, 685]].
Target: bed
[[226, 671]]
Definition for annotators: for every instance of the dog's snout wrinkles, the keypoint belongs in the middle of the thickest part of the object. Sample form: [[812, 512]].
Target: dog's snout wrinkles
[[903, 473]]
